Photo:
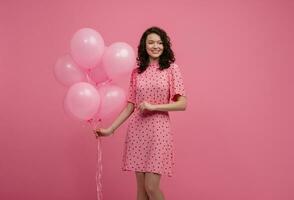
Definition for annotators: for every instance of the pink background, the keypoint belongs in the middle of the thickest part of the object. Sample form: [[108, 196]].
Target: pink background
[[234, 142]]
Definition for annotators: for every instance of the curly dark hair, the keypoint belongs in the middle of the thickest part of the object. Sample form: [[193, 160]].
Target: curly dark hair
[[166, 58]]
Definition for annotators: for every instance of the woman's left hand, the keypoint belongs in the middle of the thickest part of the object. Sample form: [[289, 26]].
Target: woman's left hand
[[146, 106]]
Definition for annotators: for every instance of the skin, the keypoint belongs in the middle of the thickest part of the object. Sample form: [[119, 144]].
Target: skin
[[147, 183], [154, 47]]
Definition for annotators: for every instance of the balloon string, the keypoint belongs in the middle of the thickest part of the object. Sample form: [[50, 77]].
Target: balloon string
[[87, 75], [94, 126], [99, 170], [104, 82]]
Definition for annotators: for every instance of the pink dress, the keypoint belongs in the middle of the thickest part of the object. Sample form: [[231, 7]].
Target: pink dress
[[149, 140]]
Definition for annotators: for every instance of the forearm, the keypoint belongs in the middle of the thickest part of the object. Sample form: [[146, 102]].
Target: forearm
[[174, 106], [123, 116]]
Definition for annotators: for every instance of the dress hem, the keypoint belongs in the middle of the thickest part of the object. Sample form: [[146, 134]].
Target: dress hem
[[150, 171]]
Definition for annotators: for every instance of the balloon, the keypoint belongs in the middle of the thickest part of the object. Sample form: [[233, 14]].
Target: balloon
[[113, 99], [67, 72], [98, 75], [118, 60], [82, 101], [87, 48]]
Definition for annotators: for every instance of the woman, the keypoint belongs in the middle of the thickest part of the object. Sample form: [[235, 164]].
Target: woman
[[156, 87]]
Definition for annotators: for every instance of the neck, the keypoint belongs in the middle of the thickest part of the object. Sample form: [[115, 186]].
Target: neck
[[153, 60]]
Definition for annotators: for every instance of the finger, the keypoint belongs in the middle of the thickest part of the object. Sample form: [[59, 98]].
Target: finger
[[99, 133], [143, 108]]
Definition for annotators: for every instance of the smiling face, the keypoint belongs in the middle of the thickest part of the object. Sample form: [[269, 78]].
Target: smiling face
[[154, 46]]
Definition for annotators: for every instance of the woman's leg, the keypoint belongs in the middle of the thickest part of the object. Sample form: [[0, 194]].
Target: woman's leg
[[152, 181], [141, 192]]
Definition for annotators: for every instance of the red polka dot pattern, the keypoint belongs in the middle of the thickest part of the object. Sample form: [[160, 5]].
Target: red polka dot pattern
[[149, 140]]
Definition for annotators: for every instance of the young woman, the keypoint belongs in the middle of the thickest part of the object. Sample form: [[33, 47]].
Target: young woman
[[156, 87]]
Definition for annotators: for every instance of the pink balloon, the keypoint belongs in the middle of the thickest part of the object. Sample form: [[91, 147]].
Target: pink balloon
[[82, 101], [118, 60], [98, 75], [67, 72], [113, 99], [87, 48]]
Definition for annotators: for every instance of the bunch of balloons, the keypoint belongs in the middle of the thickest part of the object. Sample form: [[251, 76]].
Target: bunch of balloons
[[89, 70]]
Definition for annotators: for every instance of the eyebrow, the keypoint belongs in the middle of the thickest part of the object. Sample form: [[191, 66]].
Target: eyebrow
[[154, 40]]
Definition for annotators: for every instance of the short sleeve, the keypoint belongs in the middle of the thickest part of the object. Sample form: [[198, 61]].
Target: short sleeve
[[176, 83], [132, 87]]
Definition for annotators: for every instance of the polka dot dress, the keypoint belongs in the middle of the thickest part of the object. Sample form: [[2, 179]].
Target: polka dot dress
[[149, 140]]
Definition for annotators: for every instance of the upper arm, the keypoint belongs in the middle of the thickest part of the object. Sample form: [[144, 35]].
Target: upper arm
[[176, 83]]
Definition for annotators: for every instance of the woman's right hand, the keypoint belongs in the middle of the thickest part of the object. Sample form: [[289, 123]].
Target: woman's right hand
[[103, 132]]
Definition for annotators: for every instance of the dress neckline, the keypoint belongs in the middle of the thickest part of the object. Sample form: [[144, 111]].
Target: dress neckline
[[154, 65]]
